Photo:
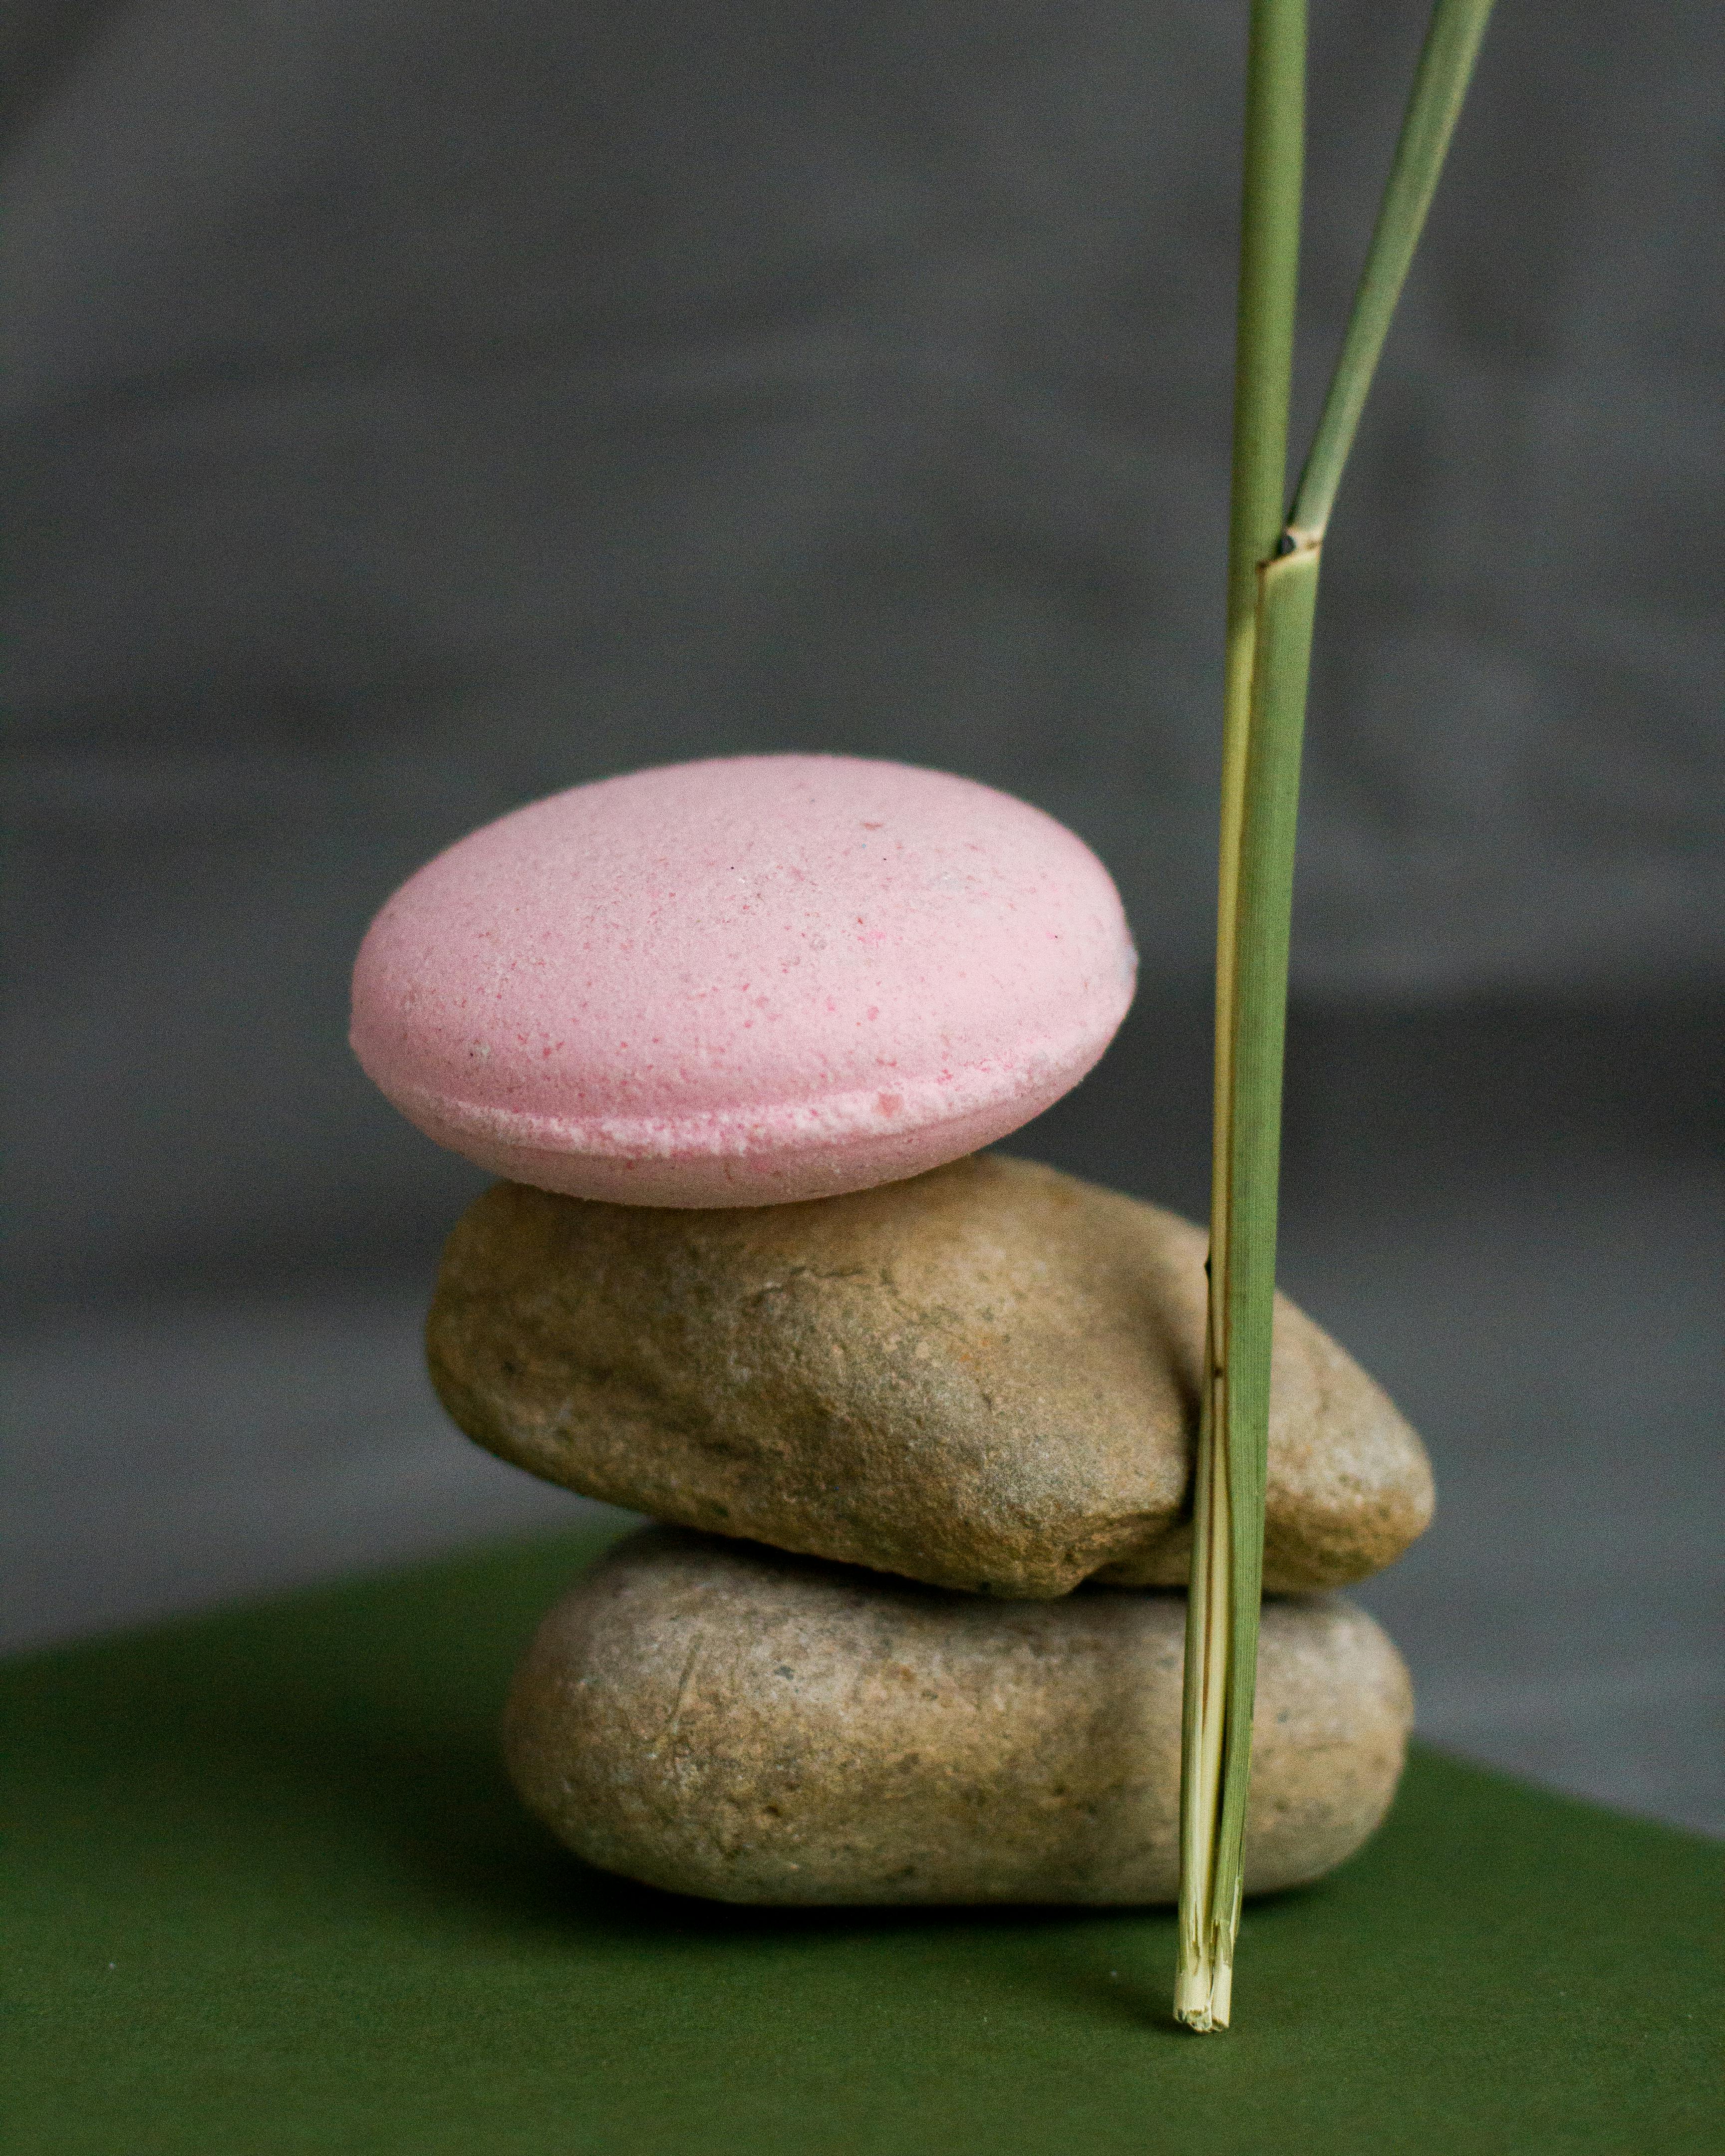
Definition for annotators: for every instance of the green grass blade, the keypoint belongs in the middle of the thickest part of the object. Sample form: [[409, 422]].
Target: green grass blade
[[1271, 181], [1452, 44], [1272, 596], [1287, 603], [1228, 1552], [1269, 250]]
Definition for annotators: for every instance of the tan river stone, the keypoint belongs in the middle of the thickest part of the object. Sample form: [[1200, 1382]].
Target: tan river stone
[[984, 1377], [731, 1722]]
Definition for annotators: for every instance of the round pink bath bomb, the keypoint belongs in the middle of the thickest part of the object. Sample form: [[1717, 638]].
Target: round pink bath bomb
[[743, 981]]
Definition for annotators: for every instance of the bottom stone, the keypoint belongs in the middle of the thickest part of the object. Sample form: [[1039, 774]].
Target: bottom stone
[[722, 1719]]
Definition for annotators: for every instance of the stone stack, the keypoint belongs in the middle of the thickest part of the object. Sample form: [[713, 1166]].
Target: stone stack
[[924, 1452], [921, 1418]]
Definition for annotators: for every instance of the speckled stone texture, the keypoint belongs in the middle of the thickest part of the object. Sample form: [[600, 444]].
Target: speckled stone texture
[[984, 1378], [727, 1721]]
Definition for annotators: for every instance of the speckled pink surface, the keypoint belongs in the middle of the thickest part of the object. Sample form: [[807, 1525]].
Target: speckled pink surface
[[744, 980]]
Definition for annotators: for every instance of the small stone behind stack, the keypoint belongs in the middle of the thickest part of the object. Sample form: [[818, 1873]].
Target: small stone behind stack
[[984, 1380]]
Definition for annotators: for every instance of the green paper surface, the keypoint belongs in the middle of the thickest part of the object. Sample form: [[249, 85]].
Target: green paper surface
[[268, 1891]]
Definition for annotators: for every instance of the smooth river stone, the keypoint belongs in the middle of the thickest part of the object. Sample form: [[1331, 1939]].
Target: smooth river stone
[[986, 1377], [723, 1720]]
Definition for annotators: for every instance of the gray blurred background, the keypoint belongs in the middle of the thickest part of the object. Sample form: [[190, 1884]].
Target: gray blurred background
[[412, 410]]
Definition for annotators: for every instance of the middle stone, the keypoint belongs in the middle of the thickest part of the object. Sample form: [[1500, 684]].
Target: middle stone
[[982, 1377]]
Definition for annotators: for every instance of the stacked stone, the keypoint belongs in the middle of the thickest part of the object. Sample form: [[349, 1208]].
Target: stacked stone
[[911, 1630], [896, 1431]]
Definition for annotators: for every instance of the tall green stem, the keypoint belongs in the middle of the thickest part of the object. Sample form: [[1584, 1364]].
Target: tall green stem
[[1272, 596], [1222, 1600], [1446, 63]]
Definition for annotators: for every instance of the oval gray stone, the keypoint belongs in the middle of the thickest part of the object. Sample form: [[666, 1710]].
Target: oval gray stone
[[731, 1722], [986, 1377]]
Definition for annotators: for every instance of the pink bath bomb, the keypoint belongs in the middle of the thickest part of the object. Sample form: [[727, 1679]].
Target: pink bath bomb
[[744, 980]]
